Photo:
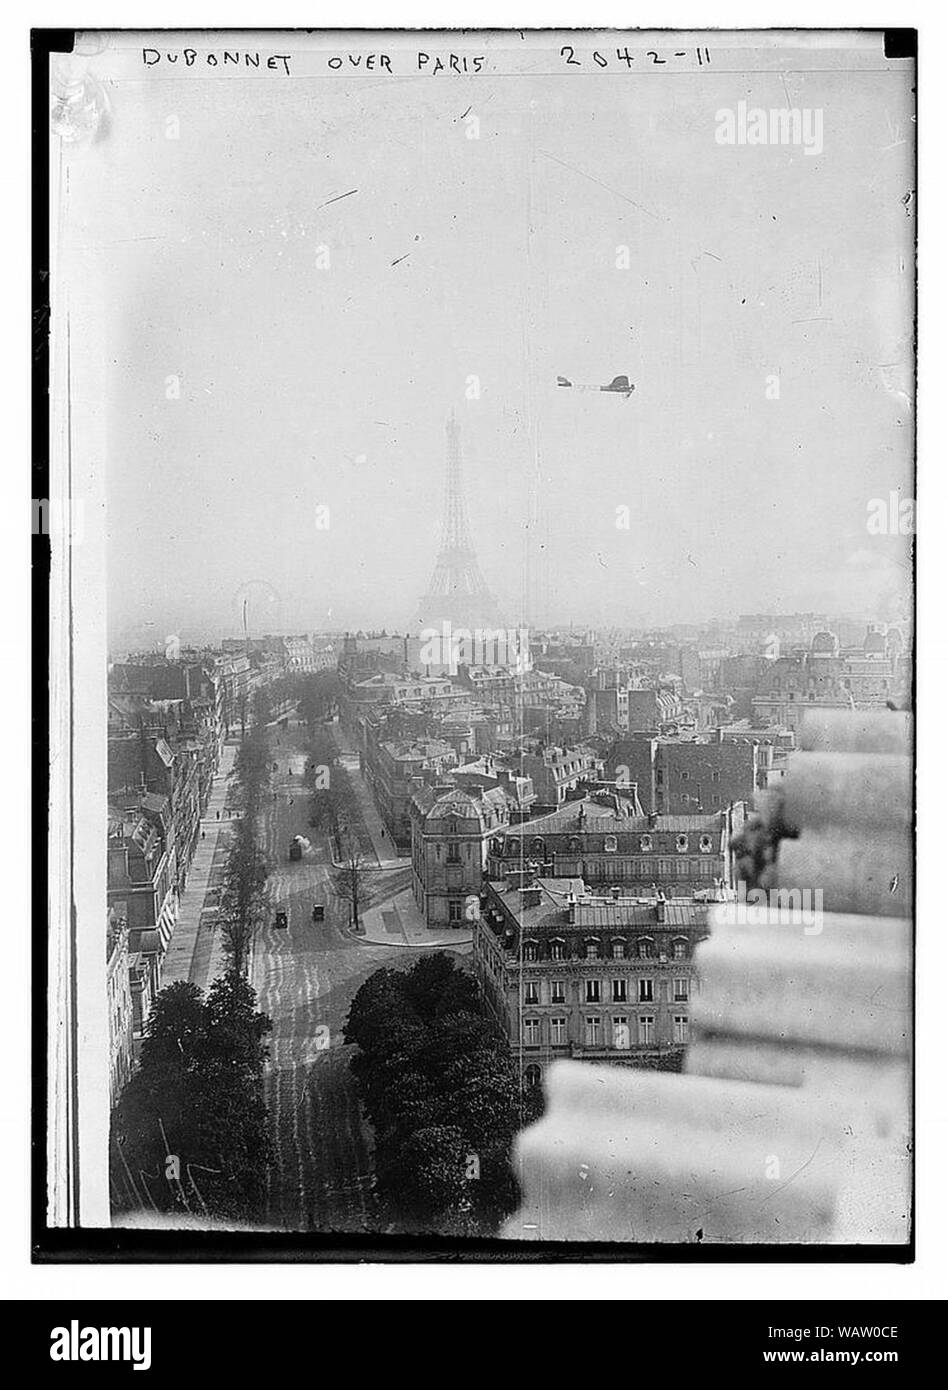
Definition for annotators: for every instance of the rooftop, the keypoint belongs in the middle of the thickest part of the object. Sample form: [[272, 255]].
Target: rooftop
[[588, 814], [567, 904]]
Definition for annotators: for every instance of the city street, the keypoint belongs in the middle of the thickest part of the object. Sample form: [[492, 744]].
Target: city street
[[305, 978]]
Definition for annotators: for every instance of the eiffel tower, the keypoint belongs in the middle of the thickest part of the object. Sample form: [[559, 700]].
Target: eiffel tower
[[457, 592]]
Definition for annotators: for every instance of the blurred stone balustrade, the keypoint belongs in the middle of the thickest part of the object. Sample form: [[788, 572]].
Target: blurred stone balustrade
[[792, 1121]]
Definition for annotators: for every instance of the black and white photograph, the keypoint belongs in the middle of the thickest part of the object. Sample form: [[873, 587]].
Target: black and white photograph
[[480, 521]]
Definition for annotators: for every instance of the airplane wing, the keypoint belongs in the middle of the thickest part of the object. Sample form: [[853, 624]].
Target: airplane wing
[[620, 383]]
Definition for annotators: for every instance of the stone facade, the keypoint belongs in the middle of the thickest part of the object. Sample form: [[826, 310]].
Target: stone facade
[[450, 832]]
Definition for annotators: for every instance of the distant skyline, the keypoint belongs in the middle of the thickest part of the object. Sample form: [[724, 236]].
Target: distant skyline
[[591, 229]]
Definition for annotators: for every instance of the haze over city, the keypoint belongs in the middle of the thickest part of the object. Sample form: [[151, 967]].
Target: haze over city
[[460, 266]]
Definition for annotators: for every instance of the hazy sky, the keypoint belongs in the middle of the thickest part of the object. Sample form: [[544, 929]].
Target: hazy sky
[[303, 386]]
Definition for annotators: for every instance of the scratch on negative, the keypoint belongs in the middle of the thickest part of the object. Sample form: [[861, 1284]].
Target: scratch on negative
[[592, 179], [337, 198], [795, 1175]]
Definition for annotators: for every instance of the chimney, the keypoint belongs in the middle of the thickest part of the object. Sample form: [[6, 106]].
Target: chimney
[[660, 910], [652, 819]]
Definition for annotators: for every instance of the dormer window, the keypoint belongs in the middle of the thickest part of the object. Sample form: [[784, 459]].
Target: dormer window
[[592, 949], [704, 844], [645, 843], [618, 949], [643, 948], [611, 845], [681, 844], [530, 950]]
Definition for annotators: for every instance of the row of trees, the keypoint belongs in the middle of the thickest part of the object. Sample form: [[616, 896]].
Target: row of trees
[[243, 895], [317, 693], [189, 1133], [334, 810], [438, 1083]]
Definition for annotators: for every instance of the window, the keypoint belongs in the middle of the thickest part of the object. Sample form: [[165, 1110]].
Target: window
[[646, 1027], [679, 949], [531, 1075], [592, 950], [611, 845], [593, 1031], [704, 844], [531, 1032], [681, 844], [530, 950], [618, 950], [681, 1028], [645, 844], [557, 950], [684, 776], [592, 991], [455, 910], [644, 949], [531, 992], [680, 991], [621, 1037], [646, 991], [619, 991], [537, 847], [558, 1032], [454, 852], [558, 992]]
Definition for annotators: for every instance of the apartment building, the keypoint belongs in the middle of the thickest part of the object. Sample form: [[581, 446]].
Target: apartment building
[[570, 974], [609, 844]]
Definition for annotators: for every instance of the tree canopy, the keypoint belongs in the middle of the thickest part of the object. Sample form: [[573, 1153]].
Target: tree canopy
[[438, 1083], [189, 1131]]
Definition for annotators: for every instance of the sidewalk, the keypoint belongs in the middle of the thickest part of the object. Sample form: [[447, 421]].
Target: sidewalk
[[194, 952], [385, 851], [399, 923]]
